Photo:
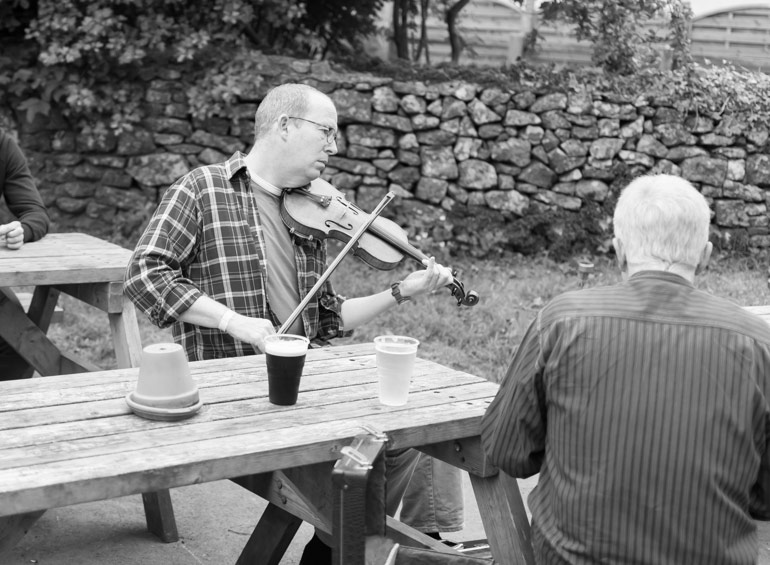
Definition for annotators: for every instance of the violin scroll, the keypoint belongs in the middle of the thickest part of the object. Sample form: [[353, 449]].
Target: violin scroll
[[471, 298]]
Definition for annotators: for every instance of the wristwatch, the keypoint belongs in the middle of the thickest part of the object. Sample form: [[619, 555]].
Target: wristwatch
[[396, 292]]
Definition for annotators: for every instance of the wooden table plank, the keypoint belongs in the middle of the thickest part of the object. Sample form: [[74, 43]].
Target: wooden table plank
[[213, 368], [224, 407], [130, 472], [228, 436], [19, 394], [231, 400], [61, 259], [96, 387], [254, 383]]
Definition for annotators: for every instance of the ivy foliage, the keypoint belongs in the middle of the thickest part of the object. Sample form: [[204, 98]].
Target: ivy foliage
[[705, 90]]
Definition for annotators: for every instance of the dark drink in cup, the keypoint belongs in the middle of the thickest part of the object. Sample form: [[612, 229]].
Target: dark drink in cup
[[285, 358]]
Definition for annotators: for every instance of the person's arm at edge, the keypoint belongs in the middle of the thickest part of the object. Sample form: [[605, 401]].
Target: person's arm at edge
[[513, 429], [21, 194]]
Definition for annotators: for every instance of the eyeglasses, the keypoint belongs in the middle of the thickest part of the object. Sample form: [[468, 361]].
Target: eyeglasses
[[330, 133]]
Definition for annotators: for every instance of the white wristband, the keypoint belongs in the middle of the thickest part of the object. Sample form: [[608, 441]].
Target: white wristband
[[225, 319]]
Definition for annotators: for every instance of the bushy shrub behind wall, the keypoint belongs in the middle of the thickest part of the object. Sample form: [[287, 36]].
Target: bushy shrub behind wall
[[482, 161]]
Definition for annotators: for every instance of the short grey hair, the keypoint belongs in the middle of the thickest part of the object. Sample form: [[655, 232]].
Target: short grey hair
[[292, 99], [662, 217]]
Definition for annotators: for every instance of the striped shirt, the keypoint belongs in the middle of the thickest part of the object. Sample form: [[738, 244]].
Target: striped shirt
[[206, 238], [644, 407]]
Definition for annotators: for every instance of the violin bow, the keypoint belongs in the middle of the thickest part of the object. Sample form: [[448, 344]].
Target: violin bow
[[337, 260]]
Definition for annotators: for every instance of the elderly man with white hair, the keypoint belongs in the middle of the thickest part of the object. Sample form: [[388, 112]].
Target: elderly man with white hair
[[644, 406]]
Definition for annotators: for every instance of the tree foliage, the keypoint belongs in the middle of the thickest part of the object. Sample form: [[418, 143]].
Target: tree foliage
[[90, 52], [621, 42]]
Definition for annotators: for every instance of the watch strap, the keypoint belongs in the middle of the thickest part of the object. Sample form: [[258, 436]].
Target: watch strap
[[396, 292]]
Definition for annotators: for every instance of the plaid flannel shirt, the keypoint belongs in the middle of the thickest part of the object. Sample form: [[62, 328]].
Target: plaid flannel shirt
[[205, 238]]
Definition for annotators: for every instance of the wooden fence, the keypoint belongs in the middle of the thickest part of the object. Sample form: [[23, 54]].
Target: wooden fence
[[493, 31], [740, 36], [489, 28]]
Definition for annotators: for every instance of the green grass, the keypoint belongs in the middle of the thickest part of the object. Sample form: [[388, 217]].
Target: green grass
[[478, 339]]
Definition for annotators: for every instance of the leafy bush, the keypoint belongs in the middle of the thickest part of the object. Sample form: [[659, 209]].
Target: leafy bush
[[709, 91], [91, 59], [91, 53], [621, 43]]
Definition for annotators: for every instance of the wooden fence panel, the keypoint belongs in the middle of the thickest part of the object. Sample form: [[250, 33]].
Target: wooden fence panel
[[491, 27], [740, 37], [487, 28]]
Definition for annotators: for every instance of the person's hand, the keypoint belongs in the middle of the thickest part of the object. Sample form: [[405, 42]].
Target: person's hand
[[13, 234], [434, 276], [250, 330]]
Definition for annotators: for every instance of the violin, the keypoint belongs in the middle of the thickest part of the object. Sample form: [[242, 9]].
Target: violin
[[320, 211]]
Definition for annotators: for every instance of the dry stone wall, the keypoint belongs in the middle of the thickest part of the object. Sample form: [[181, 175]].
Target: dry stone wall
[[482, 169]]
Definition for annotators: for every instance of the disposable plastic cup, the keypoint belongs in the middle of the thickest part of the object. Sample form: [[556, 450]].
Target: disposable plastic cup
[[395, 365], [285, 358]]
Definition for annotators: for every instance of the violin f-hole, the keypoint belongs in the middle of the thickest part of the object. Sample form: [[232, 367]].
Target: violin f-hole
[[330, 223]]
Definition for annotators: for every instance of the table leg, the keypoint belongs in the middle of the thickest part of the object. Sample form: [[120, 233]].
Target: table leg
[[33, 345], [42, 307], [158, 510], [13, 528], [41, 311], [270, 538], [125, 335], [504, 518], [498, 496], [159, 513]]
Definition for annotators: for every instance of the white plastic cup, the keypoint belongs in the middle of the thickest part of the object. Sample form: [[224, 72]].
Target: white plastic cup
[[164, 378], [395, 365]]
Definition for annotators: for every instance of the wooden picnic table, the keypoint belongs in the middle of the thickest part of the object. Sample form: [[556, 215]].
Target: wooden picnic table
[[72, 439], [83, 266], [90, 270]]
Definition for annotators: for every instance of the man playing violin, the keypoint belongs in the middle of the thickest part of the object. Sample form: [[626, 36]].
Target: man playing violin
[[217, 264]]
